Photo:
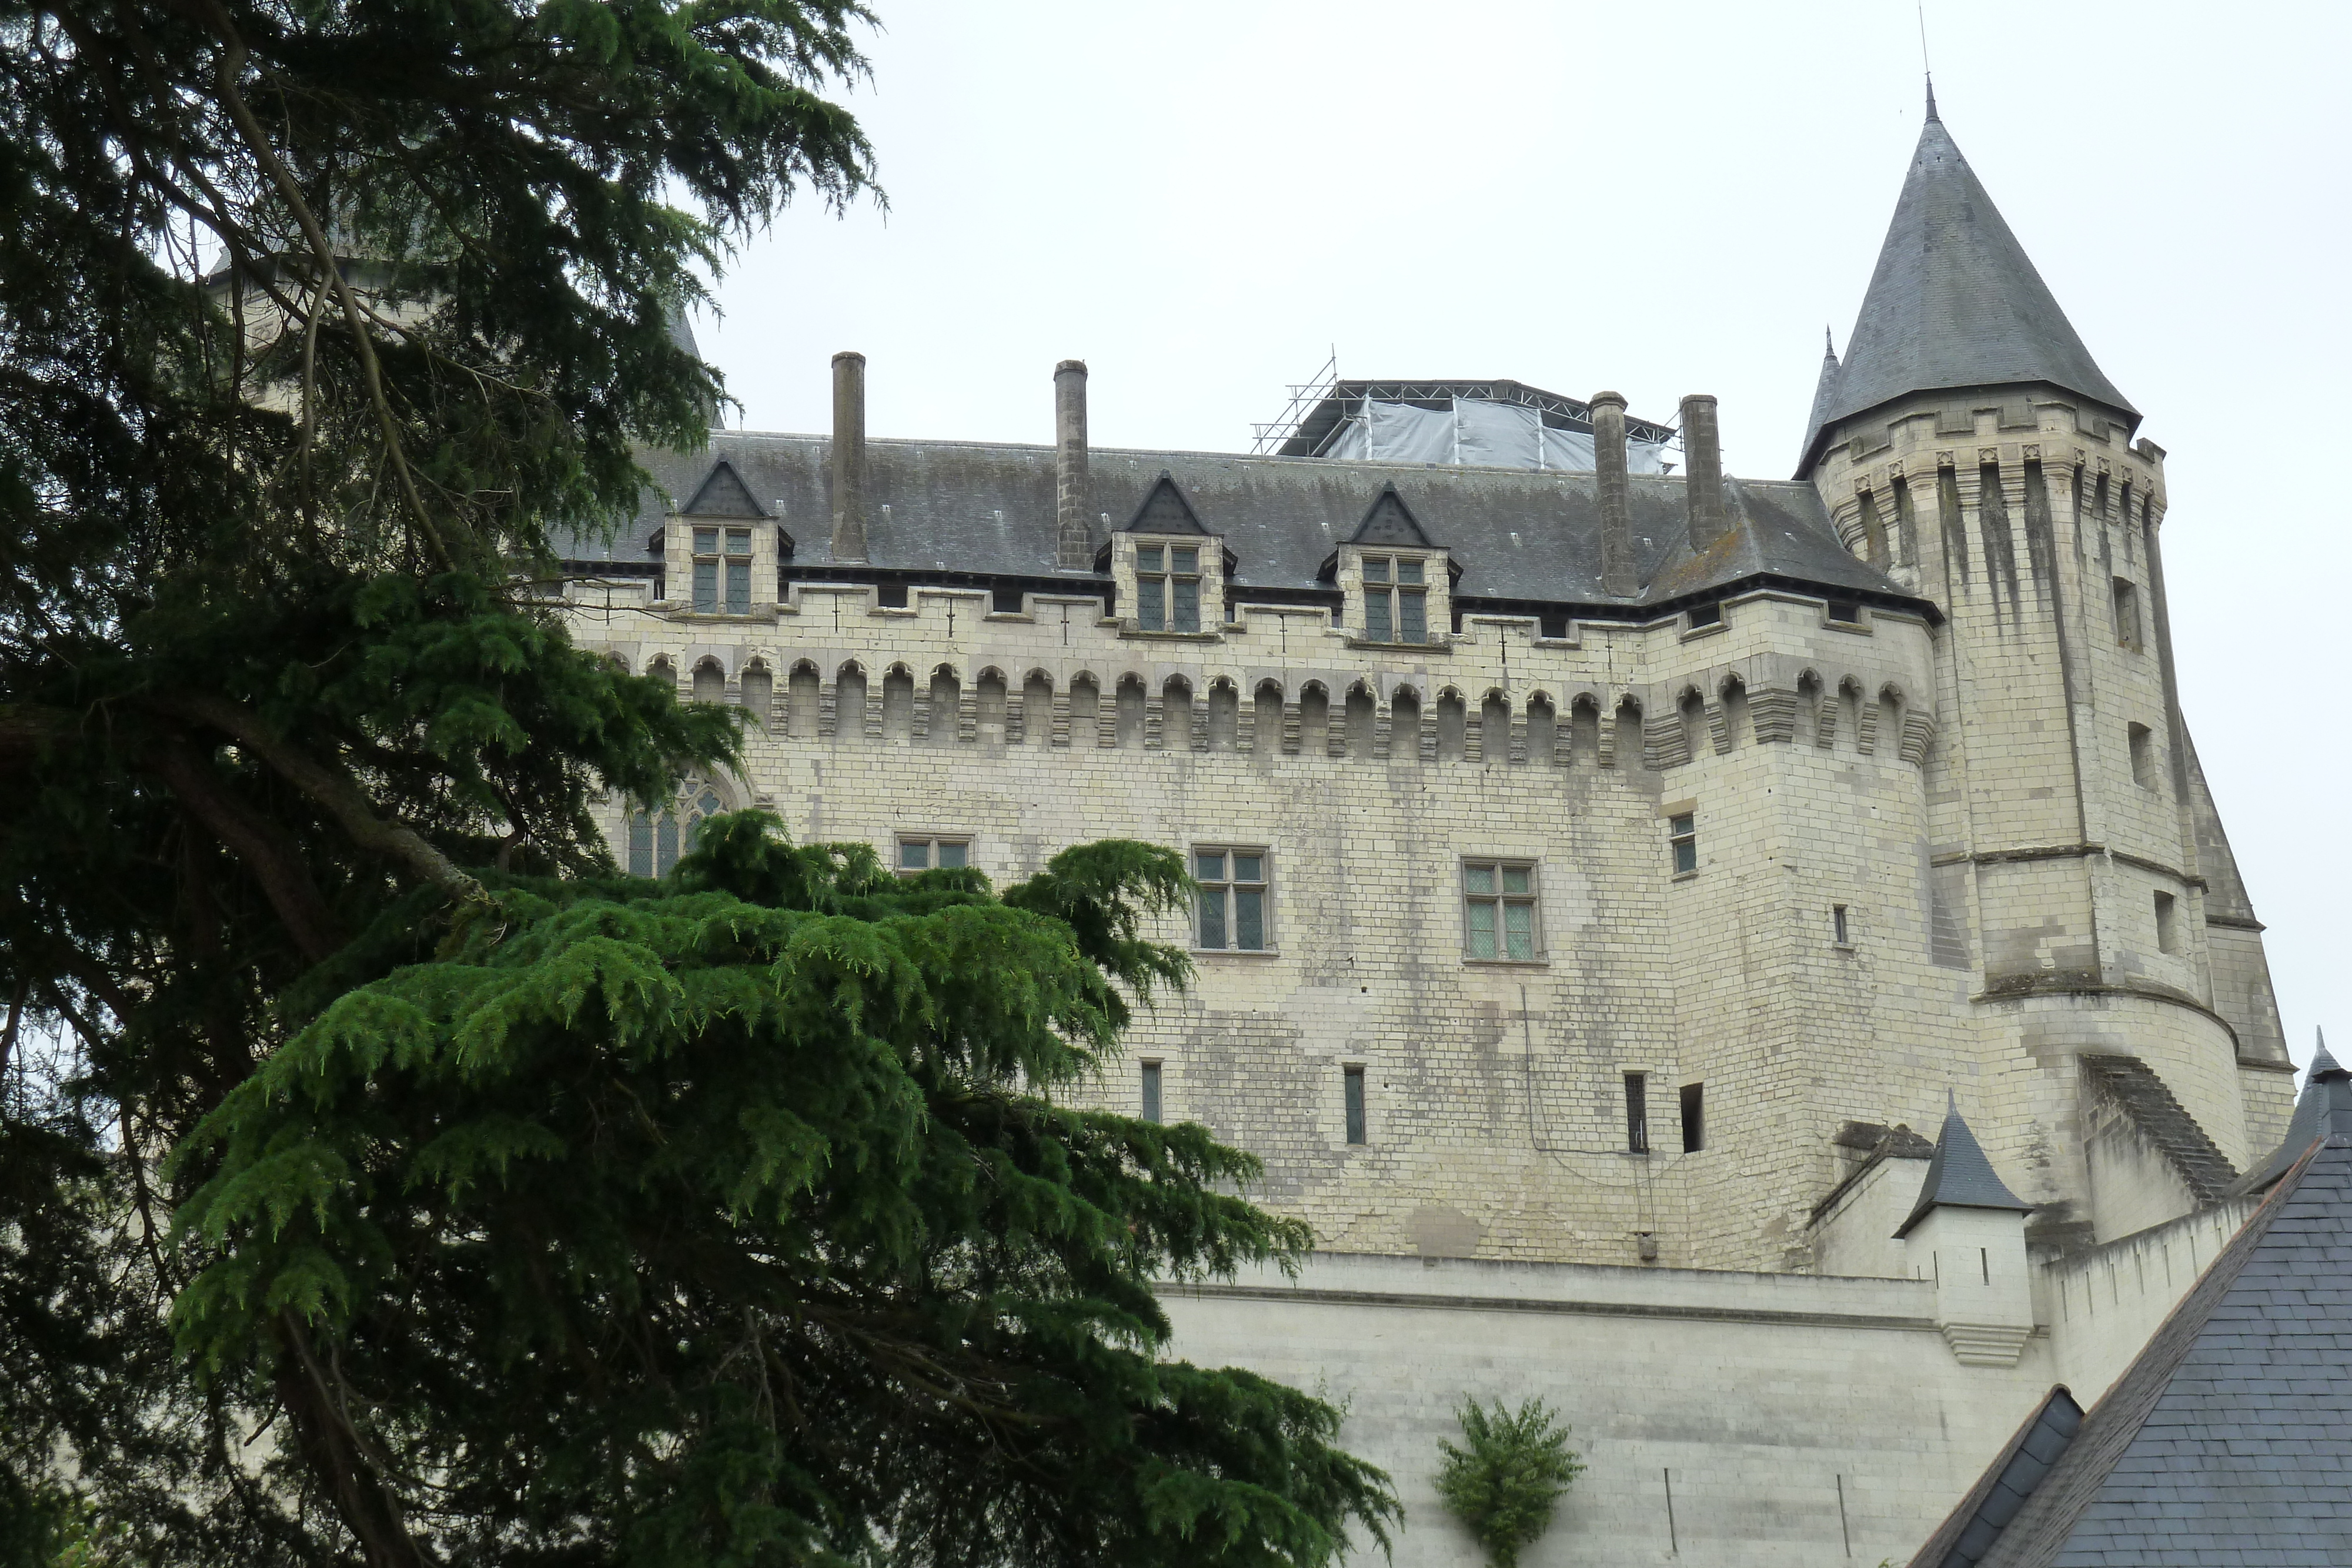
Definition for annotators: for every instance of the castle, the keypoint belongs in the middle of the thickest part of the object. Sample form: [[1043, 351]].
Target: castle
[[1754, 961]]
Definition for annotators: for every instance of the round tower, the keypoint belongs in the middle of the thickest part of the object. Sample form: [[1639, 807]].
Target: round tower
[[2078, 881]]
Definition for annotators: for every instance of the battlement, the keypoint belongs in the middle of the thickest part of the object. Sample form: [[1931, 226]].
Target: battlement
[[836, 665]]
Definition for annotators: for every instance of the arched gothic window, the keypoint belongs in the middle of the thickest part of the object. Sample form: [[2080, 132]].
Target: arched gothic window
[[657, 839]]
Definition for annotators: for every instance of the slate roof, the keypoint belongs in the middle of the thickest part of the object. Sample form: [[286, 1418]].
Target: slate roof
[[1961, 1175], [2228, 1440], [968, 507], [1954, 302], [2327, 1094], [2024, 1464]]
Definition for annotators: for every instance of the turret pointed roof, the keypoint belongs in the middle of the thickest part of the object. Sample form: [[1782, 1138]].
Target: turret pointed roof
[[2324, 1107], [1825, 389], [1954, 303], [1961, 1176]]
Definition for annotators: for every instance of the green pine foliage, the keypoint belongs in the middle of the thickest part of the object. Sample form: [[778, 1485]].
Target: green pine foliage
[[735, 1221], [384, 1180], [1507, 1476]]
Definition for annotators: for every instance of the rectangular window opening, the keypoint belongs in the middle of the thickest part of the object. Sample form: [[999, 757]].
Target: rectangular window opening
[[722, 570], [2143, 755], [1168, 587], [1498, 910], [1396, 598], [932, 853], [1838, 924], [1151, 1092], [2168, 925], [1693, 1117], [1984, 1262], [2127, 634], [1353, 1086], [1707, 615], [1845, 612], [1637, 1113], [1231, 914], [1682, 837]]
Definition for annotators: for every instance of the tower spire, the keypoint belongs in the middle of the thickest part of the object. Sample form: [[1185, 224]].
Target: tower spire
[[1932, 115], [1954, 302]]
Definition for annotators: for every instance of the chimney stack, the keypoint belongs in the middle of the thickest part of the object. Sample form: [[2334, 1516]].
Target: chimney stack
[[1618, 578], [848, 457], [1703, 471], [1074, 549]]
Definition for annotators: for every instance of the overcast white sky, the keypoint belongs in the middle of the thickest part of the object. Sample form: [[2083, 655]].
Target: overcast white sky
[[1201, 200]]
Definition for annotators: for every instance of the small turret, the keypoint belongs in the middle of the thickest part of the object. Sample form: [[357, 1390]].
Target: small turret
[[1967, 1233]]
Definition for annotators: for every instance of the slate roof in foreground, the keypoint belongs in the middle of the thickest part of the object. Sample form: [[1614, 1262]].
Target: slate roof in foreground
[[2228, 1440]]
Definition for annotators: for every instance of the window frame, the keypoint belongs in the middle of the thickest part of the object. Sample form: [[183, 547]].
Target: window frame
[[930, 843], [1392, 591], [2139, 749], [1694, 1115], [682, 818], [1151, 1087], [1501, 899], [1637, 1113], [2124, 600], [1229, 885], [1682, 842], [1164, 574], [729, 568], [1355, 1106]]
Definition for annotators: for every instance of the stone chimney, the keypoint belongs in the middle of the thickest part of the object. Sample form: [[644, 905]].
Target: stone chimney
[[1618, 573], [1703, 471], [1074, 549], [848, 457]]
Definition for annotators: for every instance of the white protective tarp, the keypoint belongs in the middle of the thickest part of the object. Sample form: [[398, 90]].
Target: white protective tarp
[[1475, 433]]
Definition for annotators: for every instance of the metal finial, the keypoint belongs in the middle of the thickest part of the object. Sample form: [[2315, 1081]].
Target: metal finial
[[1926, 65]]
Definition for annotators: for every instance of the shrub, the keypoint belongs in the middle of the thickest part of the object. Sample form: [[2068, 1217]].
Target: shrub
[[1508, 1479]]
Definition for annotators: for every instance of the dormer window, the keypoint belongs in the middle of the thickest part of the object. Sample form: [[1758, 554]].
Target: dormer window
[[1168, 587], [1396, 598], [722, 570]]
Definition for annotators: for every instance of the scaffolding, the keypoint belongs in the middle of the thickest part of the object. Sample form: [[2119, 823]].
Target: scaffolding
[[1502, 424]]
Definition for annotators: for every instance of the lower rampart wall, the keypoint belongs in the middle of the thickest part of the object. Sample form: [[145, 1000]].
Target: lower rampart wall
[[1793, 1419]]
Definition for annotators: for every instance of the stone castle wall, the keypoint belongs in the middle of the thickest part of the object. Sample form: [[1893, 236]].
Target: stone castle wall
[[1809, 753]]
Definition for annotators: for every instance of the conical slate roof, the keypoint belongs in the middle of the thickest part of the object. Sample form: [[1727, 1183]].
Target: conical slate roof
[[1961, 1176], [1954, 303], [2326, 1095]]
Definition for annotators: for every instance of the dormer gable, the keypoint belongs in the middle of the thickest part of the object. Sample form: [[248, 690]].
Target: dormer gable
[[723, 494], [1165, 511], [1389, 521]]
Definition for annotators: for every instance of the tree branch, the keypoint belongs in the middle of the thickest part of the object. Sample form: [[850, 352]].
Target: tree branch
[[331, 788], [267, 850], [257, 140], [339, 1454]]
